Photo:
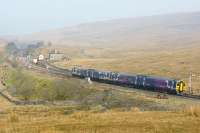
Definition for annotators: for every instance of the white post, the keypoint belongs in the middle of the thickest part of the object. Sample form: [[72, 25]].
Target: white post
[[89, 80]]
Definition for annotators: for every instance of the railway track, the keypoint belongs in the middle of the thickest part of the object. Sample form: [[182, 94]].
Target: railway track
[[51, 70], [57, 70], [189, 96]]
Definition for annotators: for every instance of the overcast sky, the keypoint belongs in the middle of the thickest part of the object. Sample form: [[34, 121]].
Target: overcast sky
[[27, 16]]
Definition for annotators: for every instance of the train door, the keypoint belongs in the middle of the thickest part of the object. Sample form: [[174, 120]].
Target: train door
[[131, 81], [90, 73], [140, 81], [95, 75]]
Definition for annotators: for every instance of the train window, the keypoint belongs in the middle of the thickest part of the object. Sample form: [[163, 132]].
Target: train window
[[161, 83], [170, 84]]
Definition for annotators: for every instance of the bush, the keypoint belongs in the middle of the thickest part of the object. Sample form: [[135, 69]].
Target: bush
[[31, 87]]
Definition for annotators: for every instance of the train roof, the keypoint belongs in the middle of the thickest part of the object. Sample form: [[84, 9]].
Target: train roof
[[155, 77], [122, 73]]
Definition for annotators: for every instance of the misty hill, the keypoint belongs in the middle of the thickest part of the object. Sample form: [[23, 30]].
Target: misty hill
[[172, 30]]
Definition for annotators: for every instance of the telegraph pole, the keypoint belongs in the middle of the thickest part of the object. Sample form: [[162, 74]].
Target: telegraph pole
[[190, 83]]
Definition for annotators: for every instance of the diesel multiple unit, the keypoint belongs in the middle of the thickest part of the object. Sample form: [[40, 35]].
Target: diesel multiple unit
[[170, 86]]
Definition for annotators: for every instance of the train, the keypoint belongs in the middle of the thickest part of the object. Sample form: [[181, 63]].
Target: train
[[158, 84]]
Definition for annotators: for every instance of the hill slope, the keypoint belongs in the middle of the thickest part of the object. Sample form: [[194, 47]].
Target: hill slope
[[150, 32]]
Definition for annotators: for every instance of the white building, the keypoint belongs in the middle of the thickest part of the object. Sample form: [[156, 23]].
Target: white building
[[35, 61], [41, 57]]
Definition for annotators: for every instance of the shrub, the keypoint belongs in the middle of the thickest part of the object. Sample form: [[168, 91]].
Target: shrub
[[31, 87]]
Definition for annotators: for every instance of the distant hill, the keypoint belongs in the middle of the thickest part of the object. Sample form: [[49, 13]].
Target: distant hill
[[162, 31]]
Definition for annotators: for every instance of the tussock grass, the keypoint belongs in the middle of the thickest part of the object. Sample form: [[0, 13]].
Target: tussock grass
[[13, 117], [192, 110], [135, 109], [111, 121]]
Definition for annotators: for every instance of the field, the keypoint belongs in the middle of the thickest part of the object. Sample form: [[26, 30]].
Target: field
[[54, 120]]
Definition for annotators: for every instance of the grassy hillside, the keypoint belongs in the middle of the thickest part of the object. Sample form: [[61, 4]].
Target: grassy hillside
[[164, 31], [26, 85], [54, 120]]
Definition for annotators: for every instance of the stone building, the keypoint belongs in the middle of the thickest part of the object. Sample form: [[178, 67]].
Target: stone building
[[56, 56]]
